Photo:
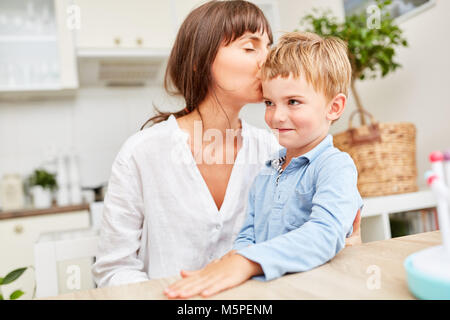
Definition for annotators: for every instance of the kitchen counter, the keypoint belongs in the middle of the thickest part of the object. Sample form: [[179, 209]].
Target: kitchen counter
[[372, 270], [37, 212]]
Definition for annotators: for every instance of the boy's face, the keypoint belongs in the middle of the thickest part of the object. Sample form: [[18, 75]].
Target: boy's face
[[296, 113]]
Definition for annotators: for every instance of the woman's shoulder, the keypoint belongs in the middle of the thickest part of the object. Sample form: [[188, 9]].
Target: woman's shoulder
[[151, 138]]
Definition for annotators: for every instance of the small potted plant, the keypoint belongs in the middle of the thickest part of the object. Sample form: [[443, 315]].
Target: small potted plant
[[42, 184], [9, 278]]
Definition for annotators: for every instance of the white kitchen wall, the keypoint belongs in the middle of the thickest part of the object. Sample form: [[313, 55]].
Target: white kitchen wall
[[98, 120], [94, 124]]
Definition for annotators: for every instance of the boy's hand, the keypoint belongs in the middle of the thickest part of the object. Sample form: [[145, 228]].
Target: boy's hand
[[231, 270]]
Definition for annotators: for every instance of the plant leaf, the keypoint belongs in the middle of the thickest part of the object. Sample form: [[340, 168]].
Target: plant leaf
[[1, 281], [16, 294], [13, 275], [1, 297]]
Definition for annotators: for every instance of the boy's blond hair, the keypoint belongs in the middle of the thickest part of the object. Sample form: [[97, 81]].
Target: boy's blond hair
[[322, 61]]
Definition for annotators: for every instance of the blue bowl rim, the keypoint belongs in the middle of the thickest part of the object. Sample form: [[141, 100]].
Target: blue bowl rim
[[410, 270]]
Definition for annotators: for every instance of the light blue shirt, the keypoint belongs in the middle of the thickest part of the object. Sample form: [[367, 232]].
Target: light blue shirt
[[302, 221]]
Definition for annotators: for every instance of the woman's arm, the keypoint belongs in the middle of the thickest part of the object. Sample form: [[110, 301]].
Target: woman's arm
[[121, 229], [355, 237]]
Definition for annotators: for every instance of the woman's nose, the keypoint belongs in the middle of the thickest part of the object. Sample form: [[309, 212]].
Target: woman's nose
[[260, 63], [262, 57], [258, 74]]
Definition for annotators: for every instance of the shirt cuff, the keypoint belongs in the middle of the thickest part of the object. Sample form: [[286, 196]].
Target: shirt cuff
[[349, 233], [252, 254]]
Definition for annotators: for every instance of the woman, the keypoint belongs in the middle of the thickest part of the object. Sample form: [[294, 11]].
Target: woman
[[175, 199]]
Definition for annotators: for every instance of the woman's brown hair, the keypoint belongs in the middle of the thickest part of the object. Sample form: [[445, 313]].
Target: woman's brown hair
[[188, 71]]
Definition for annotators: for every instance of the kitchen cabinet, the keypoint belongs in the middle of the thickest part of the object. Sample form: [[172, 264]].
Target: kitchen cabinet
[[109, 24], [17, 238], [182, 8], [37, 48]]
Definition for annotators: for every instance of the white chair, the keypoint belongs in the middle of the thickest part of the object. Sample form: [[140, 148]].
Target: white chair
[[63, 261]]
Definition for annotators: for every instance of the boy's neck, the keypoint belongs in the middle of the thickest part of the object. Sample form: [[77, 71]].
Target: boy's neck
[[297, 152]]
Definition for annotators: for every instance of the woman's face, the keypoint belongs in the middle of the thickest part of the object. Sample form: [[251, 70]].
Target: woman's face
[[236, 68]]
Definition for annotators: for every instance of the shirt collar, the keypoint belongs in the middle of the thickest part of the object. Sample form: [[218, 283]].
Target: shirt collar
[[309, 156]]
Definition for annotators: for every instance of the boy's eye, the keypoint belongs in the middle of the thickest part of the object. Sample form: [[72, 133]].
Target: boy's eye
[[268, 103], [293, 102]]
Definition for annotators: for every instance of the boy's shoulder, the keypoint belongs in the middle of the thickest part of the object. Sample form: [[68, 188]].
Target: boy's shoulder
[[333, 157], [334, 161]]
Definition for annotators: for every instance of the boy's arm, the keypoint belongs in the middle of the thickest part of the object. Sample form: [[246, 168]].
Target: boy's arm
[[334, 206]]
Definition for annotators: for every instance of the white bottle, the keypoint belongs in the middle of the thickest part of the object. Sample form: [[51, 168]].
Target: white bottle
[[11, 192], [74, 180], [62, 197]]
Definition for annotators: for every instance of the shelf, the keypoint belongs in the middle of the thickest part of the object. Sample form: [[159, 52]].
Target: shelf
[[50, 87], [30, 212], [156, 53], [22, 39], [374, 206]]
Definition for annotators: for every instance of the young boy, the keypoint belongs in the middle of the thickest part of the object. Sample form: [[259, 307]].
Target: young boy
[[302, 204]]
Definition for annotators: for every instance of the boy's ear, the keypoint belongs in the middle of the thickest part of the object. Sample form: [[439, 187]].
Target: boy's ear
[[336, 107]]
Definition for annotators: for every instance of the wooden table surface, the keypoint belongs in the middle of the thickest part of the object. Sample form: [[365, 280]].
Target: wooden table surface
[[352, 274]]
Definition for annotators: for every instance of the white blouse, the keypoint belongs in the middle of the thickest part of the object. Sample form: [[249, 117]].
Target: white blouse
[[159, 216]]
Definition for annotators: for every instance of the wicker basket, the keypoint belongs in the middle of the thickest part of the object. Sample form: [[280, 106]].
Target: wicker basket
[[384, 154]]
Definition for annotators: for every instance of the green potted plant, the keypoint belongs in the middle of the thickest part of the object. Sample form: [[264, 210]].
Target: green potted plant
[[8, 279], [372, 42], [42, 184]]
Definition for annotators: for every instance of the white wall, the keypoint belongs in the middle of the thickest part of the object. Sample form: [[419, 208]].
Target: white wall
[[98, 120], [94, 123], [418, 92]]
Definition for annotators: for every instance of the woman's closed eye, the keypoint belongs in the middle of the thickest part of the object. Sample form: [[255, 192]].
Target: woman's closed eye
[[249, 47]]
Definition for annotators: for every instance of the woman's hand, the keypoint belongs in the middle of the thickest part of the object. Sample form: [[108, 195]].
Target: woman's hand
[[355, 237], [231, 270], [230, 253]]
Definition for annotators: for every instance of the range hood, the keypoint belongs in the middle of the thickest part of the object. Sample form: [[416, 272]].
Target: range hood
[[121, 66]]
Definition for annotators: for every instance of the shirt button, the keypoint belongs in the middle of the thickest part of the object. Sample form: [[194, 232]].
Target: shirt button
[[291, 219], [218, 226]]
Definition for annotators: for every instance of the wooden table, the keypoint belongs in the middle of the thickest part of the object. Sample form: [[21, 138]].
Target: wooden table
[[352, 274]]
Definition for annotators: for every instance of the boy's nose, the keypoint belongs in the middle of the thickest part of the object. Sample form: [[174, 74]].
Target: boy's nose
[[280, 115]]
